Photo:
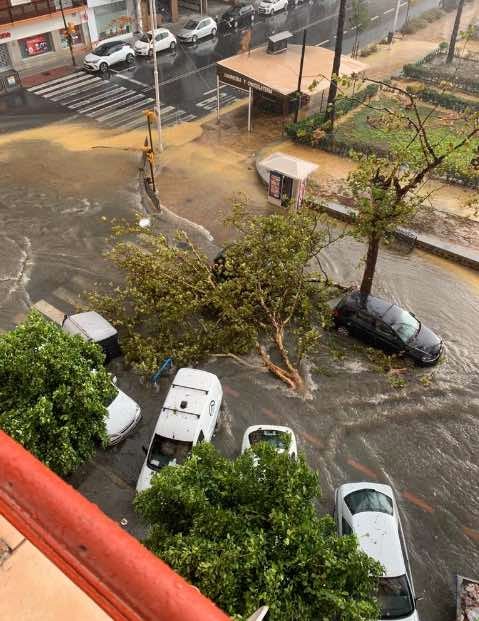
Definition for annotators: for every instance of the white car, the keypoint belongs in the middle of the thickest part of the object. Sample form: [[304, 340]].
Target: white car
[[198, 28], [93, 327], [370, 511], [164, 40], [190, 414], [269, 7], [108, 54], [273, 435], [123, 416]]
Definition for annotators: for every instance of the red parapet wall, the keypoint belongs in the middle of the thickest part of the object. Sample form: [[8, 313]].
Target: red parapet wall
[[113, 568]]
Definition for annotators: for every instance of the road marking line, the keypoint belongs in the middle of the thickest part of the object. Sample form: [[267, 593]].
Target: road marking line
[[116, 105], [322, 42], [213, 90], [188, 118], [269, 413], [132, 117], [112, 115], [97, 98], [422, 504], [230, 391], [65, 78], [92, 96], [388, 11], [311, 439], [67, 86], [373, 19], [135, 122], [124, 77], [83, 89], [361, 468], [117, 99], [471, 533]]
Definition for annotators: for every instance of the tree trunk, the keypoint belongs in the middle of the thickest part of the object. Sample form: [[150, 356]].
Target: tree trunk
[[455, 31], [291, 378], [370, 267], [356, 44], [333, 87]]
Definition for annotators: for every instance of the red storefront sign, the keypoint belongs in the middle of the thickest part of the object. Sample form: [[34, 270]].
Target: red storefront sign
[[37, 45], [5, 35]]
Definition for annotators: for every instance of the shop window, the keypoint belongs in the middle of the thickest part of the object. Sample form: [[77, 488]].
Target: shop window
[[112, 20], [77, 37], [34, 46]]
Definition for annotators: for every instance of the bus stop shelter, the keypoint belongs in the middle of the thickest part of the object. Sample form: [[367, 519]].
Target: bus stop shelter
[[276, 75]]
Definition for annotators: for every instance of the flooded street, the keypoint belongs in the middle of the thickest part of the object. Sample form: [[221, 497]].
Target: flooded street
[[57, 200]]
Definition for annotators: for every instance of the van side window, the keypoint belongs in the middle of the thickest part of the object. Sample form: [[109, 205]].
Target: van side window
[[201, 437]]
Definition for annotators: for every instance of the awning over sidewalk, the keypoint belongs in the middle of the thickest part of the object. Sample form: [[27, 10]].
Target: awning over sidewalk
[[277, 74]]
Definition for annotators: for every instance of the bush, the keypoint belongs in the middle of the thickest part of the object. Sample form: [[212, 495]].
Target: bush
[[443, 99], [413, 25], [435, 75], [370, 49], [304, 130]]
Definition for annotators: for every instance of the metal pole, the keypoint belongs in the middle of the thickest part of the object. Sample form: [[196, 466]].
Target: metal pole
[[68, 35], [139, 16], [149, 130], [218, 98], [249, 108], [396, 16], [155, 74], [300, 76]]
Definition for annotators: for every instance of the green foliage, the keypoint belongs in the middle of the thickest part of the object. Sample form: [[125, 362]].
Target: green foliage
[[246, 533], [304, 131], [53, 390], [445, 99], [171, 303], [440, 76], [368, 50], [420, 22]]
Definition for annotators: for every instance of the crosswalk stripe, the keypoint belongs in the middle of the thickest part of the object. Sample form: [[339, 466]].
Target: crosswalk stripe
[[50, 90], [129, 116], [120, 112], [65, 78], [190, 117], [139, 120], [117, 99], [130, 98], [83, 89], [81, 103]]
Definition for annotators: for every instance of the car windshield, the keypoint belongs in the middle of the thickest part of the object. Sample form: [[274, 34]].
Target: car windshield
[[145, 37], [403, 323], [164, 451], [277, 439], [191, 24], [369, 500], [102, 50], [395, 598]]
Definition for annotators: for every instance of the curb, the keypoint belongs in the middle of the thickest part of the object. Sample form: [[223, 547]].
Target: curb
[[428, 243]]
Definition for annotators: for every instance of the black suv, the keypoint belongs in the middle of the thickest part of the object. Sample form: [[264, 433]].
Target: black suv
[[387, 326], [238, 15]]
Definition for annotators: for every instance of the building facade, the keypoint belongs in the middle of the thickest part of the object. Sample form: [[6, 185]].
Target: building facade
[[33, 36]]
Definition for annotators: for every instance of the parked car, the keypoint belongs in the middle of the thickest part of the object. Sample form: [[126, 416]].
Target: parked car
[[269, 7], [238, 15], [108, 54], [123, 416], [190, 414], [164, 40], [198, 28], [387, 326], [93, 327], [369, 511], [281, 438]]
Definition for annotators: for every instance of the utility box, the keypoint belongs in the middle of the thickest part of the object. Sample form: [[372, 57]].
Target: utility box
[[278, 43], [287, 177]]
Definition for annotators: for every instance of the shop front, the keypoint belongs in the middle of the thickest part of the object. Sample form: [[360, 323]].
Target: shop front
[[42, 43], [107, 19]]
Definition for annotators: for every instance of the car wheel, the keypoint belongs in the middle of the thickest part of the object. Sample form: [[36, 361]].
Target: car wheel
[[213, 32], [130, 59], [173, 46], [194, 39], [104, 67]]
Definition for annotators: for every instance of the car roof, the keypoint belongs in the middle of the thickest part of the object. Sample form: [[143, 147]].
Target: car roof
[[347, 488], [375, 306], [268, 428], [90, 323], [378, 536]]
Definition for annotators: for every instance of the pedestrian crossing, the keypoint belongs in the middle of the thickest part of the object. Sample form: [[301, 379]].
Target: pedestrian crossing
[[105, 102], [210, 103]]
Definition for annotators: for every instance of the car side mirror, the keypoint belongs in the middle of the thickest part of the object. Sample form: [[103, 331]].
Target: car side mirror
[[114, 379], [144, 449]]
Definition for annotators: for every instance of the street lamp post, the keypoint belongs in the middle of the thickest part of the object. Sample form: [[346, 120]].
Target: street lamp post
[[155, 73], [396, 16]]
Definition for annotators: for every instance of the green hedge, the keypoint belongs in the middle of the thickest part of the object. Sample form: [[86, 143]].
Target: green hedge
[[435, 75], [303, 131], [445, 99]]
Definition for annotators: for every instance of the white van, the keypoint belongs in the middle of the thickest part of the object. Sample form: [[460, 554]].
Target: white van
[[93, 327], [189, 415]]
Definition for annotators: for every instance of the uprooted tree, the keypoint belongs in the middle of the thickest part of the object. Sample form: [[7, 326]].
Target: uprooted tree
[[388, 190], [266, 297], [246, 532]]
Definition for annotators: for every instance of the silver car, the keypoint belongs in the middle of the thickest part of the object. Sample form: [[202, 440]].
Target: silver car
[[198, 28]]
